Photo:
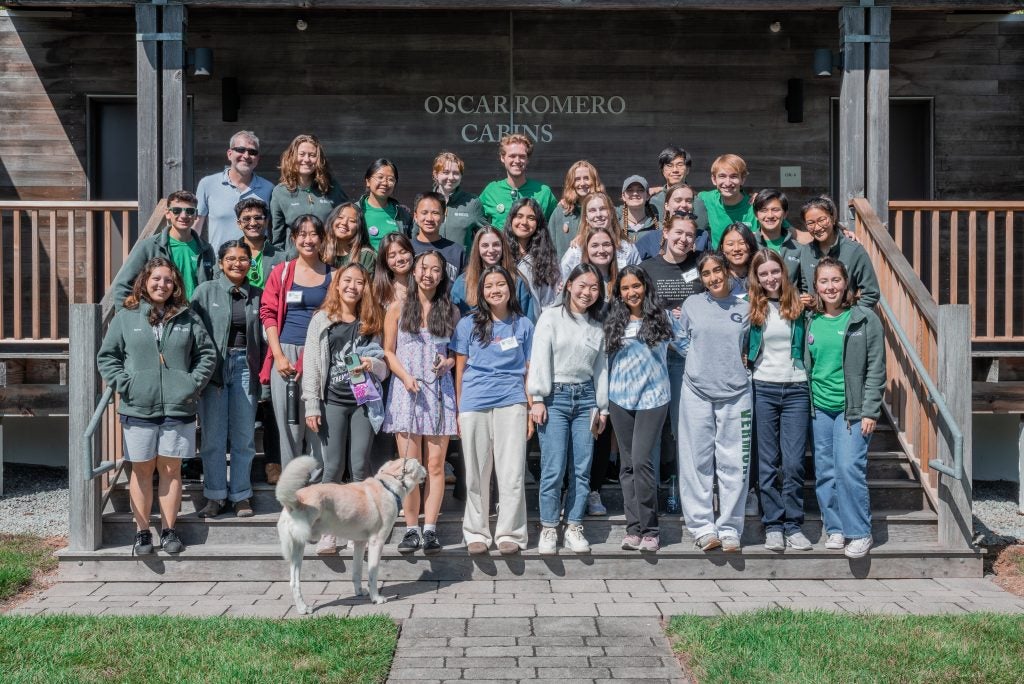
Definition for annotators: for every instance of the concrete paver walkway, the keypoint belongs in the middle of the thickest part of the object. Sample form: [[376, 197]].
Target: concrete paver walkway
[[515, 630]]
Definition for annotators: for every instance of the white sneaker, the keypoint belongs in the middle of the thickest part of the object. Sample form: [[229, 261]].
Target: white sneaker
[[774, 541], [858, 548], [574, 539], [594, 504], [797, 540], [836, 540], [751, 507], [548, 545]]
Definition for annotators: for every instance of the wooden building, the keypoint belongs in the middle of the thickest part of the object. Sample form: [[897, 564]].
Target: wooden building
[[101, 110]]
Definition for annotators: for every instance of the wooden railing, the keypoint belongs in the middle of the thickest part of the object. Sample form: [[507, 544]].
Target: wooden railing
[[964, 252], [933, 349], [52, 255], [88, 490]]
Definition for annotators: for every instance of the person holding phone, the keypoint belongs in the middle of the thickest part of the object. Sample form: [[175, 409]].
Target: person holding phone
[[343, 365]]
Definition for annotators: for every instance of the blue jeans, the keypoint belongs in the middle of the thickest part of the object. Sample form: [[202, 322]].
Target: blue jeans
[[568, 408], [228, 411], [841, 464], [781, 415]]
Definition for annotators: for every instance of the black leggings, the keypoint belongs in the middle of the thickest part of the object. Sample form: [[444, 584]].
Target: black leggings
[[637, 432], [346, 429]]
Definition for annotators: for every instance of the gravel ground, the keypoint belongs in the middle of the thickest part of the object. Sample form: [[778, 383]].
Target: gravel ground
[[35, 500], [996, 518]]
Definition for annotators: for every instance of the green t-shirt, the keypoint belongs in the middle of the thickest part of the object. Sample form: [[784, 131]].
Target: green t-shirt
[[185, 257], [498, 196], [825, 342], [380, 222], [776, 244], [721, 215], [256, 275]]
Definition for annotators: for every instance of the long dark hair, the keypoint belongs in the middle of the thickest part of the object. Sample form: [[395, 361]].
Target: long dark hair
[[139, 294], [383, 276], [654, 325], [440, 321], [595, 309], [332, 249], [483, 321], [475, 263], [543, 255]]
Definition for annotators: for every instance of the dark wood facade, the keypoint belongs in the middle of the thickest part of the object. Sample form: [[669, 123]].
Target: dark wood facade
[[712, 82]]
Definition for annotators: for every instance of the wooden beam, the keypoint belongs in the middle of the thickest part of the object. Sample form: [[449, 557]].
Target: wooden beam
[[83, 391], [172, 113], [851, 107], [33, 399], [998, 397], [956, 526], [767, 5], [147, 111], [877, 155]]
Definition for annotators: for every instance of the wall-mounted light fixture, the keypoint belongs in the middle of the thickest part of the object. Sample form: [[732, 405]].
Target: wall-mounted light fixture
[[825, 61], [201, 61]]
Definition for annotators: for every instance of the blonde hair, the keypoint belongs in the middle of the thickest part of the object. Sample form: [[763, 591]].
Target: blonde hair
[[445, 157], [514, 139], [790, 306], [290, 165], [569, 196], [730, 161]]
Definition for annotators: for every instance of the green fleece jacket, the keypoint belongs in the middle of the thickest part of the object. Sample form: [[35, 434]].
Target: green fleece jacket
[[796, 343], [563, 228], [156, 246], [851, 255], [863, 364], [789, 251], [212, 303], [157, 379], [463, 215]]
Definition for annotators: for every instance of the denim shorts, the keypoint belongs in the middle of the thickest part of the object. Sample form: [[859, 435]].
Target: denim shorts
[[145, 442]]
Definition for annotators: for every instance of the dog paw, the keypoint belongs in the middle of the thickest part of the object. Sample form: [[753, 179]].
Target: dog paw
[[362, 592], [380, 599], [303, 609]]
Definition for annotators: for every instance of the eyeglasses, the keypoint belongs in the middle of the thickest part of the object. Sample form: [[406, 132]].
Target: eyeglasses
[[252, 219], [236, 260], [823, 222], [189, 211], [385, 179], [684, 214], [251, 151], [676, 165]]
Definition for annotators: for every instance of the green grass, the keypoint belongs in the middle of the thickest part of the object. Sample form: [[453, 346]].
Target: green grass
[[20, 557], [792, 647], [67, 648]]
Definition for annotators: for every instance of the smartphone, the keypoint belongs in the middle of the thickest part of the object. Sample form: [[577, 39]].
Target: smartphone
[[354, 364]]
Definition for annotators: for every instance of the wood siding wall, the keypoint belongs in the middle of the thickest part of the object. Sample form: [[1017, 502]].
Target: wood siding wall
[[711, 82]]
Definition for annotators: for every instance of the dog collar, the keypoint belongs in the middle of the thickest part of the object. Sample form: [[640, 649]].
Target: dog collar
[[398, 499]]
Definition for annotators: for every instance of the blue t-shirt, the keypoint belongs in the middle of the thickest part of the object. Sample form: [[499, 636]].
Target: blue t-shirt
[[495, 375], [302, 303]]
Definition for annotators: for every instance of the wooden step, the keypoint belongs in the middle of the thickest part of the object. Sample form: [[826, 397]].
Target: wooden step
[[887, 525], [248, 562]]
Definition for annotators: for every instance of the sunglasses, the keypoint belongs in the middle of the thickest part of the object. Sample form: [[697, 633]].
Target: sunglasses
[[189, 211], [251, 151]]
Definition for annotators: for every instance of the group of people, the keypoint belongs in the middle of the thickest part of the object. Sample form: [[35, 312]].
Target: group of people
[[701, 321]]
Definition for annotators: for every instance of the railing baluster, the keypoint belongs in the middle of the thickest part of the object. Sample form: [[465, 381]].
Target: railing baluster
[[917, 240], [35, 275], [954, 283], [54, 267], [107, 257], [3, 278], [90, 256], [899, 229], [972, 268], [16, 301], [1010, 288], [72, 260], [990, 272], [936, 228]]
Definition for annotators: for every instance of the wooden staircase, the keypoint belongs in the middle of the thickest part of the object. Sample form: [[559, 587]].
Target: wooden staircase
[[230, 548]]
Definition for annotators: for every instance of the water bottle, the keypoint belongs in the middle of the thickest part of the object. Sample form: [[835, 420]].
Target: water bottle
[[673, 497], [292, 401]]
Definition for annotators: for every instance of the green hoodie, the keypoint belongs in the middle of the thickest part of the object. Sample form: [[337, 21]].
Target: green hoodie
[[156, 246], [863, 364], [463, 215], [212, 303], [156, 380], [851, 255]]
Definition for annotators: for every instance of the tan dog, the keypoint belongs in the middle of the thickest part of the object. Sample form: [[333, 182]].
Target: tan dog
[[361, 511]]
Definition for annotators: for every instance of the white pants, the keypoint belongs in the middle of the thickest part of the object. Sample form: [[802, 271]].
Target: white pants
[[495, 439], [714, 442]]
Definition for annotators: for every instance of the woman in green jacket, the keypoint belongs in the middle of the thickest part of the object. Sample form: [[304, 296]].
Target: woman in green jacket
[[158, 356], [845, 360], [230, 309]]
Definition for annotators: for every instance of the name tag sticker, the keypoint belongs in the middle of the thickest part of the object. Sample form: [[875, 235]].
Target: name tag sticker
[[294, 297], [509, 343], [691, 275]]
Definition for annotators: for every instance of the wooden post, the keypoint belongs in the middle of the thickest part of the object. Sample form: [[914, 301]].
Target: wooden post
[[147, 107], [851, 108], [84, 336], [1020, 466], [877, 165], [956, 528], [173, 96]]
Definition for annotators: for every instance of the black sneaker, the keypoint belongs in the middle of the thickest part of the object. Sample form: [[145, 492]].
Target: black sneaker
[[169, 541], [143, 543], [430, 543], [410, 542]]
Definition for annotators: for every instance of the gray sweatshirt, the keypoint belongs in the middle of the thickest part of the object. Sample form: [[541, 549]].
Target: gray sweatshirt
[[717, 330]]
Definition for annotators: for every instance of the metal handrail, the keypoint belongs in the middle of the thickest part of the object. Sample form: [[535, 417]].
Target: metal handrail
[[934, 397], [91, 472]]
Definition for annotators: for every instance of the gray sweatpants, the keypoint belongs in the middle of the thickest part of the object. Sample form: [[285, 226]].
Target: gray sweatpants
[[714, 442]]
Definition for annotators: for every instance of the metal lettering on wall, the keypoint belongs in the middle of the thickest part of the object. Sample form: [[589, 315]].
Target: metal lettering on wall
[[514, 106]]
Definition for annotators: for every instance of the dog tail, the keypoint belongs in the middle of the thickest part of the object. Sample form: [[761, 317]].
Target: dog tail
[[295, 477]]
